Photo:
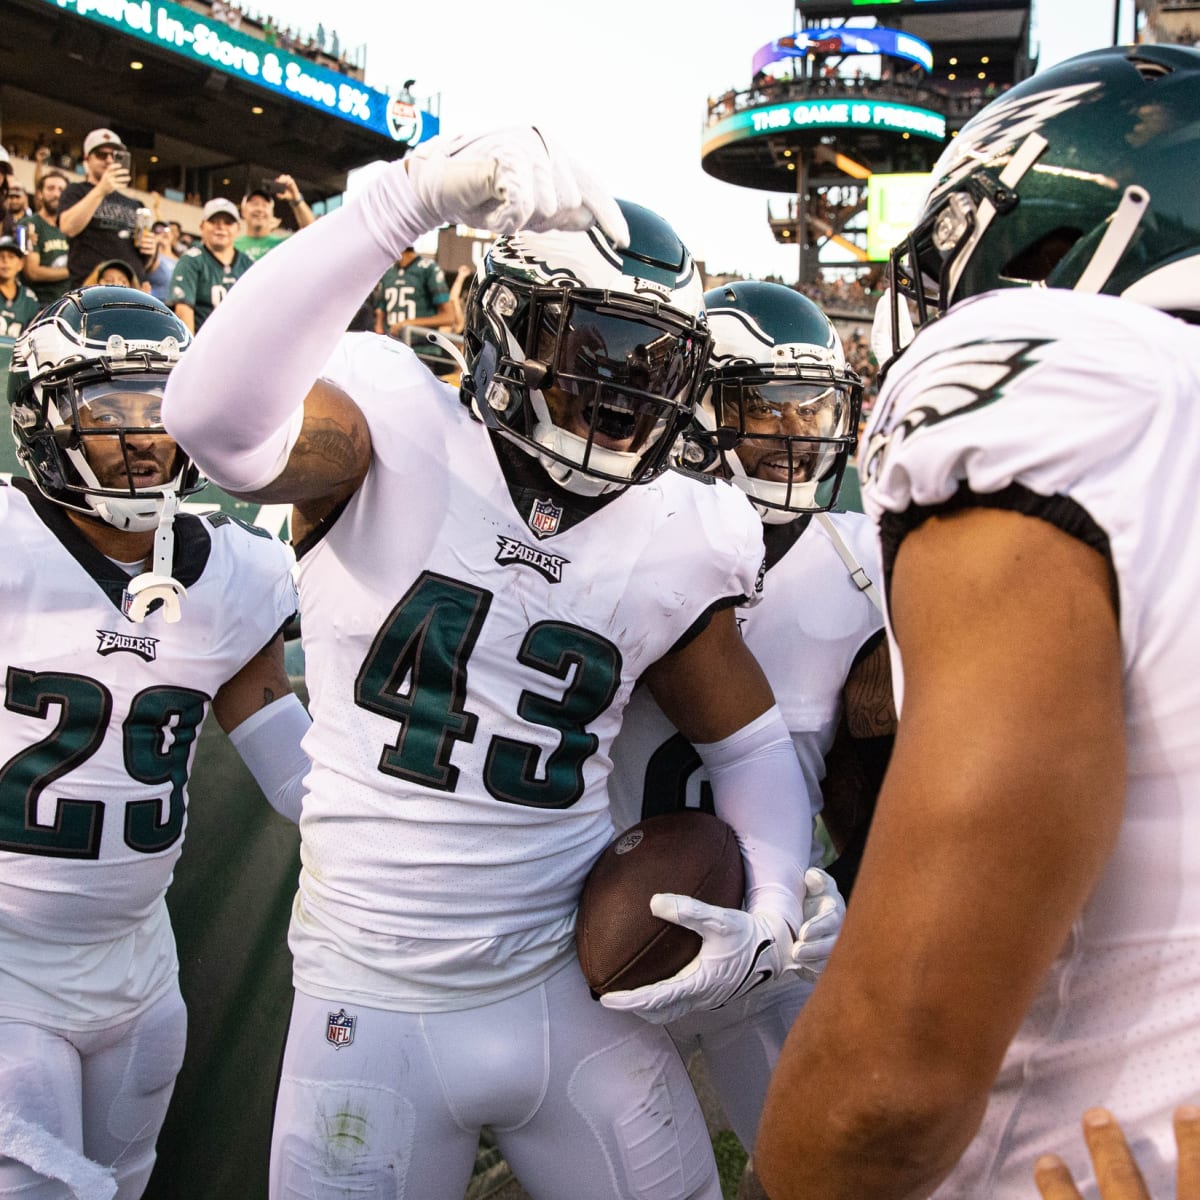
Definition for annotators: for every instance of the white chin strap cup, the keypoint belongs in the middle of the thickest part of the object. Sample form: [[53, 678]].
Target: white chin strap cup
[[157, 584], [150, 586]]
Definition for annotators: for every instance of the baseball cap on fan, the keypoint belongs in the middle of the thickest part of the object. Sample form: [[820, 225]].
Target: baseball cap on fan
[[98, 138], [221, 207]]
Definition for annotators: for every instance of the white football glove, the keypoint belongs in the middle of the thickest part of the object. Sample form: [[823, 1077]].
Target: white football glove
[[824, 910], [511, 179], [741, 951]]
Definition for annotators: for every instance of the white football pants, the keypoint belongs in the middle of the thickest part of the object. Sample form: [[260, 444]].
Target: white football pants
[[740, 1043], [73, 1105], [583, 1102]]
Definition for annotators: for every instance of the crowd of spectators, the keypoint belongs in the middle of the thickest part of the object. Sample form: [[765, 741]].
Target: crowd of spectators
[[321, 45], [82, 230], [73, 231]]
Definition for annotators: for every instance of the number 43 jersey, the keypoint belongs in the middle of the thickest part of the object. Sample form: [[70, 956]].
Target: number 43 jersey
[[97, 733], [468, 663]]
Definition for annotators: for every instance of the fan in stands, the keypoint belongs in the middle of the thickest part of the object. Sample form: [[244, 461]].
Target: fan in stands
[[620, 943]]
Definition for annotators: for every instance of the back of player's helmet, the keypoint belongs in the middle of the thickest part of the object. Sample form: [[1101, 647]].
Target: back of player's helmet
[[1082, 177], [585, 355], [780, 406]]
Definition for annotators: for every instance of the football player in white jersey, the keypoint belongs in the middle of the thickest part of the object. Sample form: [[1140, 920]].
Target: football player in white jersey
[[779, 417], [121, 622], [484, 576], [1024, 941]]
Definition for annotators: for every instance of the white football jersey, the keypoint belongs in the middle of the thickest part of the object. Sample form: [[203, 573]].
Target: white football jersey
[[468, 667], [812, 622], [1083, 410], [97, 735]]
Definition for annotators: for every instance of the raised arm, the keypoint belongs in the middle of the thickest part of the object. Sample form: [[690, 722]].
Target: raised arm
[[245, 400], [74, 220]]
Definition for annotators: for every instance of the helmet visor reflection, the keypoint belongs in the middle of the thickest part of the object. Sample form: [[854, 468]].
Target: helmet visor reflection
[[127, 402], [787, 431], [595, 346], [629, 377], [814, 410]]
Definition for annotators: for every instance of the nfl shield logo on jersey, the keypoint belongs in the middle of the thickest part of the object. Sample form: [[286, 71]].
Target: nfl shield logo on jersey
[[339, 1029], [545, 517]]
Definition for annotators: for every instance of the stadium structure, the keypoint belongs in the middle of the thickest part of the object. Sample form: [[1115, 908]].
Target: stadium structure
[[850, 109], [207, 109]]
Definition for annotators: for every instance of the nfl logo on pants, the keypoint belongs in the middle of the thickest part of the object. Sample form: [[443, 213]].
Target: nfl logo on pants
[[339, 1029]]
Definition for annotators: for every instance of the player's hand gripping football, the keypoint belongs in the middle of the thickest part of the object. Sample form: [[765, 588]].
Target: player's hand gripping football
[[511, 179], [741, 951]]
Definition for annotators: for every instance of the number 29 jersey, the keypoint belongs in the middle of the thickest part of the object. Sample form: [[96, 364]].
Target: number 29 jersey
[[1082, 411], [98, 729], [467, 677]]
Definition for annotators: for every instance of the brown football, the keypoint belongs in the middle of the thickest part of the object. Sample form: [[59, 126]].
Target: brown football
[[620, 942]]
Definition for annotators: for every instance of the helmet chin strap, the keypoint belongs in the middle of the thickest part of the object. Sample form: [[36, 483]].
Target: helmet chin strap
[[570, 445], [1123, 224], [757, 490], [440, 339], [157, 584]]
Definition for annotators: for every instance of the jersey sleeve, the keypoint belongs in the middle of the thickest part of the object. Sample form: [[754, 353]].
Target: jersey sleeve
[[435, 282], [262, 568], [734, 535], [1075, 409], [380, 291], [1021, 400]]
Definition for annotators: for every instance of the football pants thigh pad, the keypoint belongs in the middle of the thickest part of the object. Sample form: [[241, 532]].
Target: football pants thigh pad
[[619, 1119], [39, 1087], [740, 1043], [361, 1110], [103, 1095]]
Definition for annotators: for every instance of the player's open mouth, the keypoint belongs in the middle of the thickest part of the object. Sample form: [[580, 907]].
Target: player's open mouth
[[611, 421], [143, 475]]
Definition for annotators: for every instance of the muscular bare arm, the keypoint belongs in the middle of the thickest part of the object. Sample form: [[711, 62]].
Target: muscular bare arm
[[713, 686], [444, 317], [327, 463], [262, 681], [1007, 780]]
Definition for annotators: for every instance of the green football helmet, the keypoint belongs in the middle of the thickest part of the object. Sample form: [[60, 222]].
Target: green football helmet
[[97, 348], [779, 410], [1081, 177], [585, 355]]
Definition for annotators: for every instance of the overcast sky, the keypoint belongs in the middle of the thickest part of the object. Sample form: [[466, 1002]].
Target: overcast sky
[[625, 83]]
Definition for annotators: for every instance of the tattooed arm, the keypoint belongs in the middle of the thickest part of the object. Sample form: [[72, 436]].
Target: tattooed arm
[[327, 463], [258, 684]]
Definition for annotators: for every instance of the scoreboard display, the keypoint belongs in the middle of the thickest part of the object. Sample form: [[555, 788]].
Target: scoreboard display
[[895, 8]]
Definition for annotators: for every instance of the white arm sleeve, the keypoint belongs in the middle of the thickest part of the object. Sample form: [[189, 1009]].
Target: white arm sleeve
[[759, 790], [269, 744], [235, 401]]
